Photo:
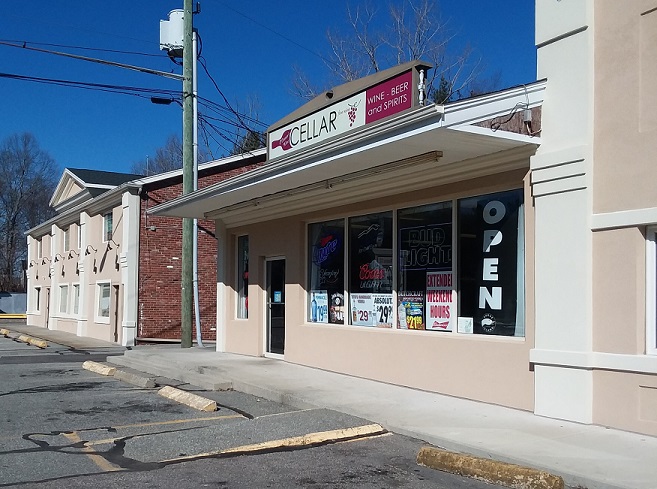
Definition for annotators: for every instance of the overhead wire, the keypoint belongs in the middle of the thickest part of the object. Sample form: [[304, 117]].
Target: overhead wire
[[81, 48], [225, 112], [275, 32]]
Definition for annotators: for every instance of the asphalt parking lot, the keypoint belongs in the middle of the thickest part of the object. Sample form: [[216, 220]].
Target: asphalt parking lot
[[63, 424]]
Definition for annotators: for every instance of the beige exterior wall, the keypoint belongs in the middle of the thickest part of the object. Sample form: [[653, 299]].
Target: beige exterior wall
[[486, 368], [625, 79], [593, 363], [627, 401], [624, 203], [75, 268], [619, 285], [39, 277]]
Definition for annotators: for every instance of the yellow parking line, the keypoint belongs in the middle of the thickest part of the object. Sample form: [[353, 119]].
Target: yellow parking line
[[100, 462], [321, 437]]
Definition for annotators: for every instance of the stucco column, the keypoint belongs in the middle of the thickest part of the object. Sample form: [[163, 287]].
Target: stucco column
[[561, 175], [222, 263], [85, 289], [129, 260], [54, 277]]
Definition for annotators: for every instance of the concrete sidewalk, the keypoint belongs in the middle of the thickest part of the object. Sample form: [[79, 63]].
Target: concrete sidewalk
[[588, 456]]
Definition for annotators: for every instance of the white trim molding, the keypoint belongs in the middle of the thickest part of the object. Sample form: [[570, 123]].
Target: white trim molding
[[643, 364], [624, 219]]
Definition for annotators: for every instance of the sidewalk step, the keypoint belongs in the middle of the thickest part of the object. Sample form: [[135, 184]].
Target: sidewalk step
[[163, 368]]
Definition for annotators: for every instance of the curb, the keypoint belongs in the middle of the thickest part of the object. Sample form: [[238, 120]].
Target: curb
[[98, 368], [491, 471], [29, 340], [135, 379], [24, 338], [187, 398], [318, 438]]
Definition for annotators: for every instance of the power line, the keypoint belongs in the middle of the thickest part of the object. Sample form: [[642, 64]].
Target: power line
[[230, 107], [125, 90], [95, 60], [82, 48], [282, 36]]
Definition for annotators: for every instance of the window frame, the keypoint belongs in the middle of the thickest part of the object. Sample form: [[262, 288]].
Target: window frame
[[67, 239], [334, 297], [63, 302], [36, 301], [651, 290], [75, 288], [108, 234], [461, 328], [242, 283], [98, 317]]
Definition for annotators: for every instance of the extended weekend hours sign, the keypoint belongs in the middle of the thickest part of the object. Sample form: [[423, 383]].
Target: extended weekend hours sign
[[377, 102]]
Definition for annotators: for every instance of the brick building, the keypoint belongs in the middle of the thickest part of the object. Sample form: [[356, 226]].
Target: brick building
[[104, 268]]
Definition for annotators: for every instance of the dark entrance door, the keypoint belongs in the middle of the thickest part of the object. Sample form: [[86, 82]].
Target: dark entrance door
[[275, 305]]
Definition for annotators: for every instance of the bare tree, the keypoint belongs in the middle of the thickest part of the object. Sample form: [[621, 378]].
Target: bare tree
[[411, 30], [248, 137], [28, 176], [167, 158]]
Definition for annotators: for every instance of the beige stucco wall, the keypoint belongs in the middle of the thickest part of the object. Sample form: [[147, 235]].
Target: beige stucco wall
[[625, 121], [619, 291], [38, 274], [75, 267], [627, 401], [491, 369], [102, 266]]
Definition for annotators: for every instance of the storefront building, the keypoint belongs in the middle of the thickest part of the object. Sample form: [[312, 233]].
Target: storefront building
[[386, 238], [501, 248]]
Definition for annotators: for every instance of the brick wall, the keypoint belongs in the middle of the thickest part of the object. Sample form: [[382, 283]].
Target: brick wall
[[160, 250]]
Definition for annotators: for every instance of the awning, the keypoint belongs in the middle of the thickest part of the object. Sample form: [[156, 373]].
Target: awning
[[416, 149]]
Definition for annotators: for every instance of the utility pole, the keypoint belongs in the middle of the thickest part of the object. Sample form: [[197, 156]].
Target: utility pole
[[187, 301]]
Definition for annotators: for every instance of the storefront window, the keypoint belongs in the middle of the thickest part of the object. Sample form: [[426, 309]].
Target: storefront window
[[425, 295], [243, 277], [491, 264], [326, 272], [370, 270]]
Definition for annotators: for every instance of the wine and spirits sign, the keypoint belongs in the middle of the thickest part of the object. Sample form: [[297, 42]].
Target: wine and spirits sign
[[382, 100]]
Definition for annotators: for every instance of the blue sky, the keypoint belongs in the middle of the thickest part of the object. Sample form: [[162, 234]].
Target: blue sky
[[250, 48]]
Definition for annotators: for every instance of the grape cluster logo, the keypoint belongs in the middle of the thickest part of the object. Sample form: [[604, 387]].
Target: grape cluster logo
[[352, 113]]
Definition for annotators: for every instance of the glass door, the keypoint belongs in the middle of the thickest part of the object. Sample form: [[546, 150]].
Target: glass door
[[275, 305]]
